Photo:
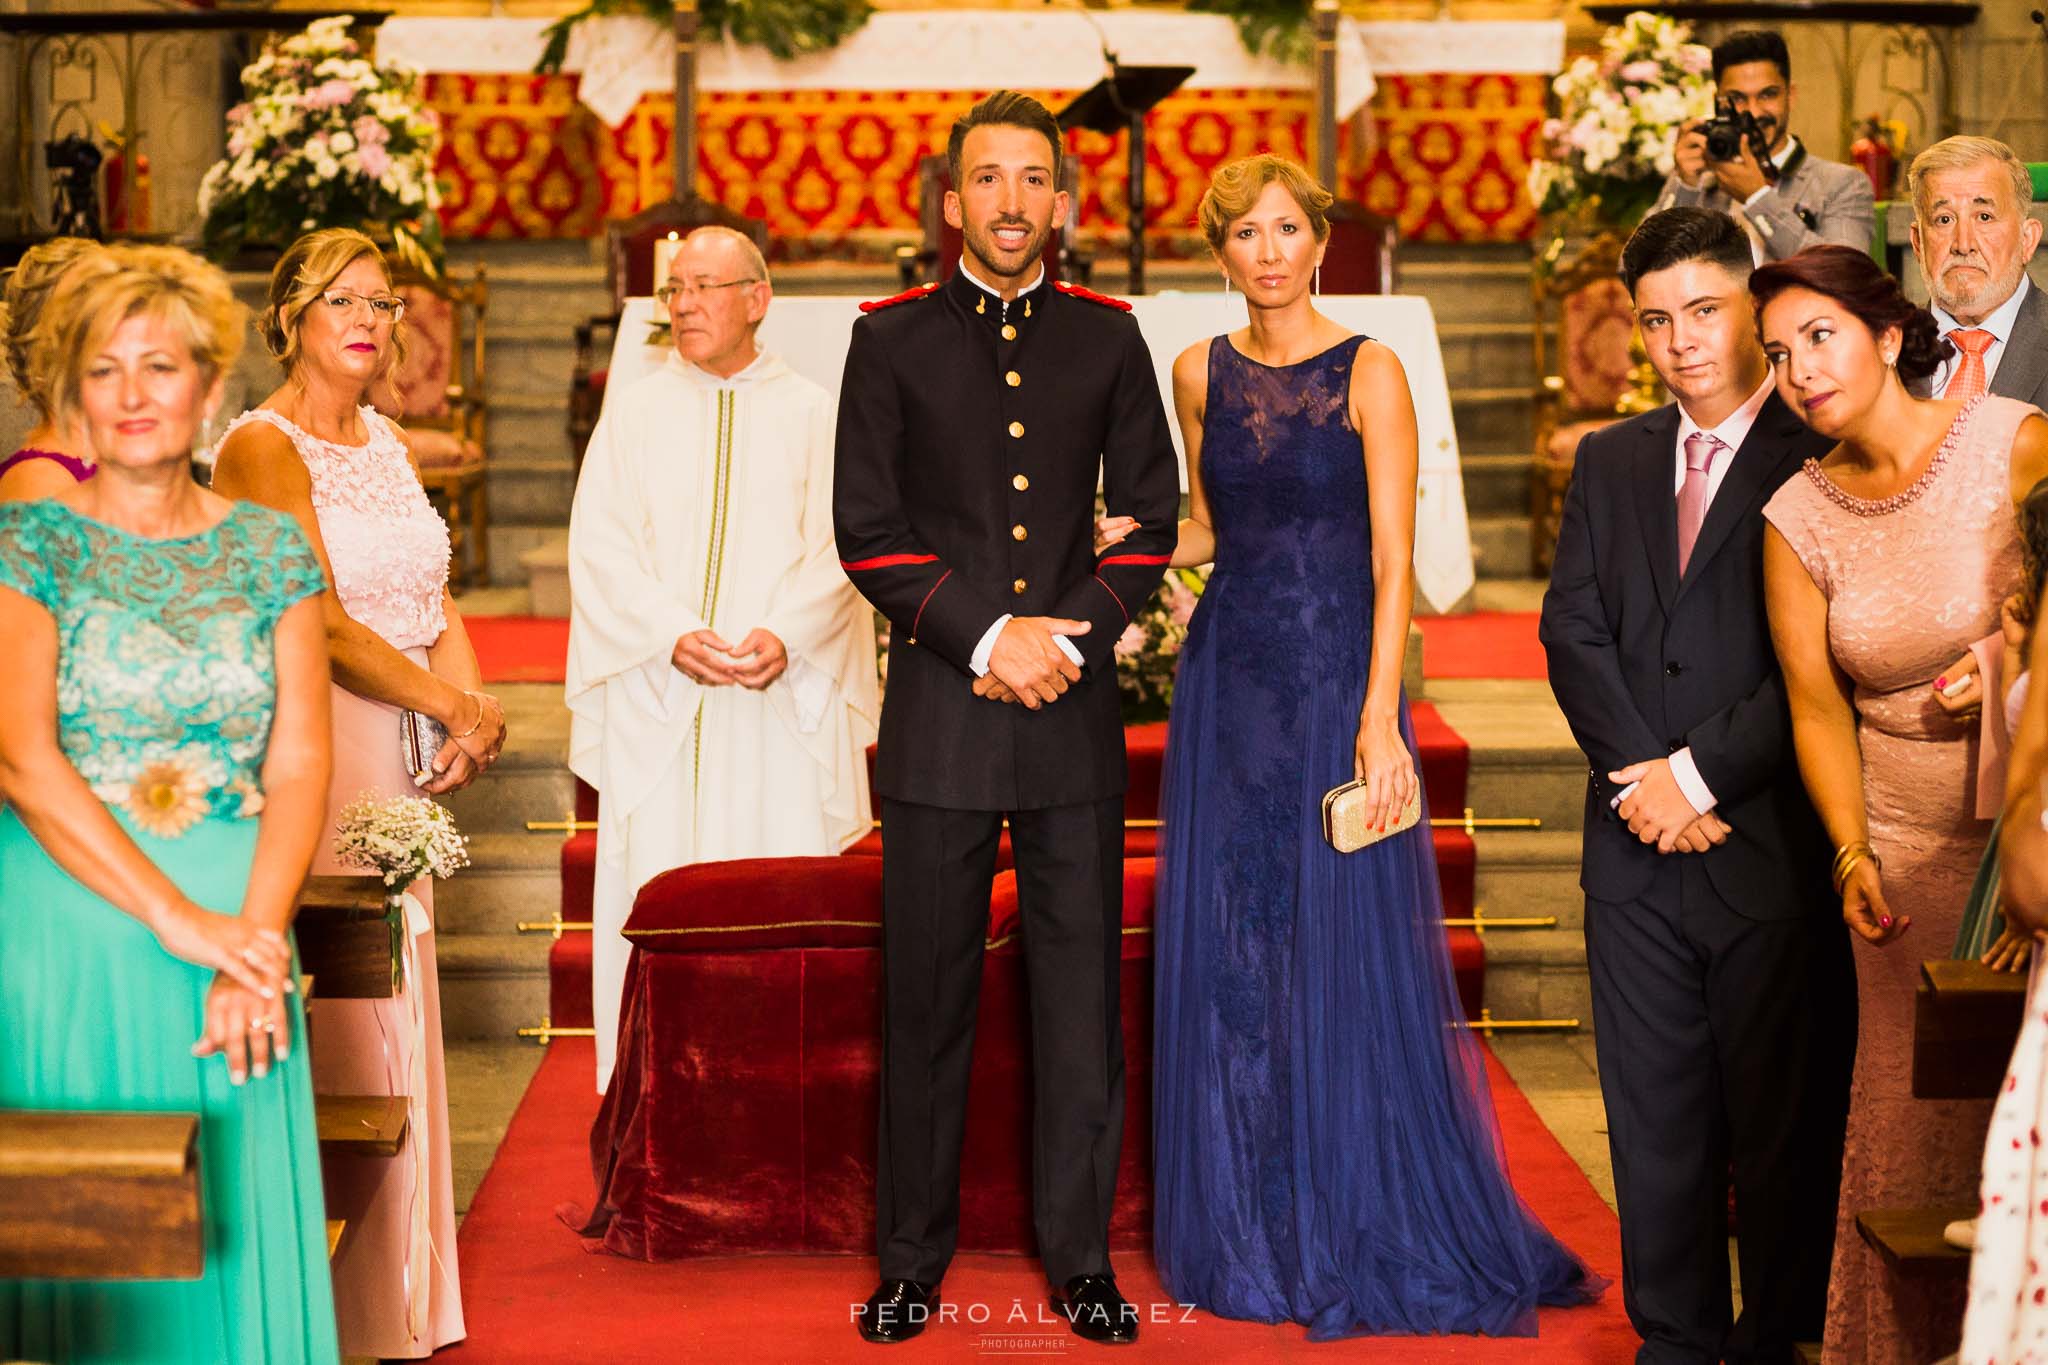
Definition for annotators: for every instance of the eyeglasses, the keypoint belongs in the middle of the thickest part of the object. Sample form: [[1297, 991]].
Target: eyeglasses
[[383, 307], [673, 289]]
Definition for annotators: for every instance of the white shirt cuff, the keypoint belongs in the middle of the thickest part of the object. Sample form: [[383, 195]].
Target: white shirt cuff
[[1751, 203], [1690, 785], [1067, 648], [978, 661]]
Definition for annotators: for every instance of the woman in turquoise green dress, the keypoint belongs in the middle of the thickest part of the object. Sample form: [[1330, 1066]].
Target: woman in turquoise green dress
[[163, 759]]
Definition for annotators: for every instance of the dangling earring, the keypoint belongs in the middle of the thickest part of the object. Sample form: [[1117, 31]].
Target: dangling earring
[[1317, 283]]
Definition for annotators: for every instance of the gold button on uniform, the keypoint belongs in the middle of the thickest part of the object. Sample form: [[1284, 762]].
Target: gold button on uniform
[[1009, 332], [1018, 587], [1018, 532], [1017, 429], [1013, 379], [1020, 483]]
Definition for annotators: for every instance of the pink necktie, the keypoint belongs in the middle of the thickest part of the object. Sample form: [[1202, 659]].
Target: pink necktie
[[1968, 381], [1700, 449]]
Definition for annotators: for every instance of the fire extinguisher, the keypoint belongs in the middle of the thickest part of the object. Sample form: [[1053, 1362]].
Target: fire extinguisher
[[127, 190]]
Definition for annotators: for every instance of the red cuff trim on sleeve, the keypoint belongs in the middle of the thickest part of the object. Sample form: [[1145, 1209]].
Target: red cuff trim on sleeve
[[1135, 559], [927, 599], [885, 562], [1113, 597]]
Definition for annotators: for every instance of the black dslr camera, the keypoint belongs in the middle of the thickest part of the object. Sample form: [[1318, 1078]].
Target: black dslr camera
[[1727, 132], [73, 162]]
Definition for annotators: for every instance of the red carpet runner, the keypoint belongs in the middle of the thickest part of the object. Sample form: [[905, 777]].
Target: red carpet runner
[[1484, 644], [520, 649], [531, 1294]]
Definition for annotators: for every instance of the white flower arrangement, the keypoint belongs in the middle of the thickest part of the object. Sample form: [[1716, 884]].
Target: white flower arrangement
[[400, 838], [1619, 118], [324, 137]]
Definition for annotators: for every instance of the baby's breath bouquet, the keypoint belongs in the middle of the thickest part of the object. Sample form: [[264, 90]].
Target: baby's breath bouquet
[[401, 839]]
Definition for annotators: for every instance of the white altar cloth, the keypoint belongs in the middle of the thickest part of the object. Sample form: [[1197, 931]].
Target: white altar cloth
[[621, 58]]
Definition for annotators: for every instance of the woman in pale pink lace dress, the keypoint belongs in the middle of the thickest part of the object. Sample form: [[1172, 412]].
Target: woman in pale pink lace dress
[[1886, 561], [316, 449]]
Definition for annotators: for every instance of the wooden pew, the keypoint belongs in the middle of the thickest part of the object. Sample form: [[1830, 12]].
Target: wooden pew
[[1966, 1018], [343, 937], [100, 1196], [361, 1125], [1910, 1241]]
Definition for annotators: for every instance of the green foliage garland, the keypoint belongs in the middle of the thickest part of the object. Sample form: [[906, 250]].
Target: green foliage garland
[[785, 28]]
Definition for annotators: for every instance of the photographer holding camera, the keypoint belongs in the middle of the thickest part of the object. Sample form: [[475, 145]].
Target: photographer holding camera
[[1745, 161]]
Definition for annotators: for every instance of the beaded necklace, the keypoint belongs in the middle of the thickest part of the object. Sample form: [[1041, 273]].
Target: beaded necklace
[[1905, 497]]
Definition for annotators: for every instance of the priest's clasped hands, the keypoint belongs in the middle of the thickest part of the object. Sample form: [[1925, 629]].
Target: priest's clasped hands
[[704, 656], [1027, 665]]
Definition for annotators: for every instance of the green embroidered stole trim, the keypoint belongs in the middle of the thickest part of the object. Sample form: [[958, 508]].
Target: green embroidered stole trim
[[714, 571]]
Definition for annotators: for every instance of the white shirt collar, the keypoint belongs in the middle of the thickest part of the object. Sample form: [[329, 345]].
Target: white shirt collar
[[985, 287], [1779, 158], [2002, 318], [1733, 429]]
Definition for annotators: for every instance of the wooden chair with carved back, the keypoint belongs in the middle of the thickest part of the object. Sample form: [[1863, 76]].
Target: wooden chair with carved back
[[629, 273], [1359, 257], [437, 395], [1583, 322]]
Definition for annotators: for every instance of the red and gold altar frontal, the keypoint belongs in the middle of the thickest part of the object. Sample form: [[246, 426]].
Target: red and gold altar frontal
[[835, 171]]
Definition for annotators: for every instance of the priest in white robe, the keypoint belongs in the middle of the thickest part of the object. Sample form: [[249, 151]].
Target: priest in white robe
[[721, 679]]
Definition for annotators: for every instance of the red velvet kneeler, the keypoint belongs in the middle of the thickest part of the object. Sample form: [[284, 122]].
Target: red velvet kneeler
[[742, 1113]]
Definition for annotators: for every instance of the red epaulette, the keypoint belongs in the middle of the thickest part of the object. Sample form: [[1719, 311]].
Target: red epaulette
[[877, 305], [1077, 292]]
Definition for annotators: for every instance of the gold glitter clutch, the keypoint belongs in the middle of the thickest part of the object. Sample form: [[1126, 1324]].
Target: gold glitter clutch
[[1344, 812]]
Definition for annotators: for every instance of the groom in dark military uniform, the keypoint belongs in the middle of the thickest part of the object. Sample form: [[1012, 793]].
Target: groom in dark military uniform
[[974, 419]]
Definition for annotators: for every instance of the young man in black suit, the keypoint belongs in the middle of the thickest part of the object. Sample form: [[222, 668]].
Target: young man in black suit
[[974, 420], [1723, 992]]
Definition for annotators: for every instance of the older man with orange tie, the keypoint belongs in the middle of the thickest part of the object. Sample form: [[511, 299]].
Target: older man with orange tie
[[1973, 238]]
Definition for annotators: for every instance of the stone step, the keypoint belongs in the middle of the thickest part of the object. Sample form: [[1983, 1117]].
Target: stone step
[[508, 543], [512, 876], [1529, 874], [1524, 760], [531, 779], [530, 492], [530, 426], [1496, 485], [1540, 974], [1500, 544], [1494, 420], [1491, 354], [547, 576], [492, 985]]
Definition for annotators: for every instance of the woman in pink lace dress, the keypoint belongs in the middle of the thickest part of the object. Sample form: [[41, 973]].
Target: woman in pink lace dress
[[47, 463], [1884, 563], [315, 449]]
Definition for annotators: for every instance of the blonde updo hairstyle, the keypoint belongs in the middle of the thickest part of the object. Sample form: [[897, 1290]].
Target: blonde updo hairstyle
[[1235, 189], [306, 271], [27, 290], [164, 283]]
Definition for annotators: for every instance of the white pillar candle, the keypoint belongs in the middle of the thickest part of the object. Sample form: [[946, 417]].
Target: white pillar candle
[[665, 251]]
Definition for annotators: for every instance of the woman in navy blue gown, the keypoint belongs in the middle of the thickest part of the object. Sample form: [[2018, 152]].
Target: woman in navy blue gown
[[1323, 1140]]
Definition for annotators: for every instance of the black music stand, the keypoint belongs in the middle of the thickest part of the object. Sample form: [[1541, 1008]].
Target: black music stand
[[1118, 103]]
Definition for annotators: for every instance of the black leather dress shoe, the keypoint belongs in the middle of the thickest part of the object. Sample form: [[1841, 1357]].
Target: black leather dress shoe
[[1097, 1311], [897, 1310]]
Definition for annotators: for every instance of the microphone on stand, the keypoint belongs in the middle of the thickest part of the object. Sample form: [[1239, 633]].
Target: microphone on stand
[[1109, 62]]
